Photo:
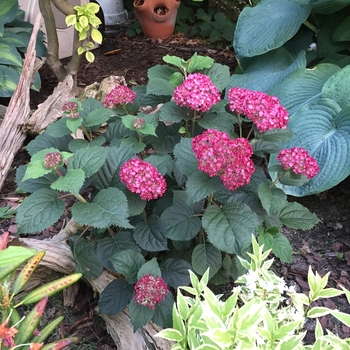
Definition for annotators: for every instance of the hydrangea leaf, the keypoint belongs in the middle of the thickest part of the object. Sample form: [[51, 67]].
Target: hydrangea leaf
[[163, 162], [199, 185], [170, 112], [180, 222], [98, 116], [136, 204], [139, 314], [219, 75], [72, 181], [280, 21], [281, 248], [39, 211], [230, 227], [204, 256], [158, 83], [151, 235], [162, 316], [196, 63], [128, 263], [86, 259], [271, 198], [109, 207], [175, 272], [115, 297], [185, 158], [44, 141], [150, 267], [59, 128], [88, 159], [323, 129]]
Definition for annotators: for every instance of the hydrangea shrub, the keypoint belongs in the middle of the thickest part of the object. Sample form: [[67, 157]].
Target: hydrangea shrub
[[168, 191]]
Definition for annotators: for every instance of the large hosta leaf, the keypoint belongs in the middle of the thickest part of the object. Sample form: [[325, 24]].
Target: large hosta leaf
[[268, 25], [230, 227], [328, 6], [323, 129], [303, 85]]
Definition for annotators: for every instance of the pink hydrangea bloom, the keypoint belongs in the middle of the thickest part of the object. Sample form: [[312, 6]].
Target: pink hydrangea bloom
[[218, 155], [53, 160], [150, 290], [142, 178], [197, 92], [119, 96], [299, 161], [265, 111]]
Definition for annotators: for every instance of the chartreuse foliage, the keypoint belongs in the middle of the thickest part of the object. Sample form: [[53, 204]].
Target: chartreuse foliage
[[198, 223], [14, 39], [18, 331], [298, 51], [256, 314]]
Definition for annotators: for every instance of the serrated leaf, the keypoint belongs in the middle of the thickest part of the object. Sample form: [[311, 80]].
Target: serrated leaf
[[150, 267], [271, 198], [158, 83], [282, 248], [72, 181], [128, 263], [109, 207], [196, 63], [206, 256], [151, 235], [163, 312], [175, 272], [200, 185], [184, 157], [139, 315], [219, 74], [296, 216], [88, 159], [59, 128], [230, 227], [115, 297], [45, 140], [170, 112], [180, 222], [86, 259], [39, 211]]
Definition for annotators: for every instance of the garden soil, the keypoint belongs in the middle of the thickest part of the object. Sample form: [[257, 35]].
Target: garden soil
[[326, 247]]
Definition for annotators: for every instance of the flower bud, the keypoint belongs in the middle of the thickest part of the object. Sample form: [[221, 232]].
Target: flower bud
[[53, 160], [71, 109], [138, 123]]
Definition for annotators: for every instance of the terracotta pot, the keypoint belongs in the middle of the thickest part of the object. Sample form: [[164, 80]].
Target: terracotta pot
[[157, 17]]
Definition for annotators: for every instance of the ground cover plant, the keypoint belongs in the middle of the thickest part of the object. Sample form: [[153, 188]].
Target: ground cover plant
[[18, 332], [163, 192]]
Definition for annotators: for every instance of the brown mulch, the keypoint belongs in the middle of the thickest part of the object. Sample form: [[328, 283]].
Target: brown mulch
[[326, 247]]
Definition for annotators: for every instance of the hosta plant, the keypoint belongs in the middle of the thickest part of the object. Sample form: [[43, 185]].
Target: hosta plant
[[298, 51], [261, 313], [16, 267], [161, 192]]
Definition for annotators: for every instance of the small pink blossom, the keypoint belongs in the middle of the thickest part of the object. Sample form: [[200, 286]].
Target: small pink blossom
[[142, 178], [119, 96], [265, 111], [299, 161], [150, 290], [71, 109], [53, 160], [218, 155], [197, 92]]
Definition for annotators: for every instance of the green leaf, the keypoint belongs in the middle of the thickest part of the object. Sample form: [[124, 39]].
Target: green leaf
[[230, 227], [74, 124], [39, 211], [15, 255], [128, 263], [163, 312], [44, 140], [139, 314], [342, 32], [115, 297], [109, 207], [180, 222], [59, 128], [262, 73], [158, 83], [71, 182], [206, 256], [170, 112], [328, 6], [219, 75], [163, 163], [282, 248], [271, 198], [296, 216], [200, 185], [86, 259], [88, 159], [280, 21], [341, 316], [318, 312], [150, 267], [151, 235], [10, 55], [196, 63], [174, 60], [184, 157], [170, 334], [108, 175], [337, 87], [175, 272], [321, 128]]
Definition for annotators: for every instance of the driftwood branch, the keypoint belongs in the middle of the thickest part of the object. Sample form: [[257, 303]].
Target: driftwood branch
[[59, 258]]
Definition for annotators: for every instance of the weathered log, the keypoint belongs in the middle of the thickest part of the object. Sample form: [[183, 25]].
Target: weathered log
[[59, 258]]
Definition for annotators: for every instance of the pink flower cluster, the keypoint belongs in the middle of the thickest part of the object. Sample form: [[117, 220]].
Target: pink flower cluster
[[150, 290], [218, 155], [299, 161], [142, 178], [197, 92], [119, 96], [71, 109], [264, 110], [53, 160]]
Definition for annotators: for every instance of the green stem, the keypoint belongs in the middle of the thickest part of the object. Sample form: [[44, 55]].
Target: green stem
[[144, 216], [311, 26], [240, 125], [278, 178], [250, 131], [186, 130], [86, 133]]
